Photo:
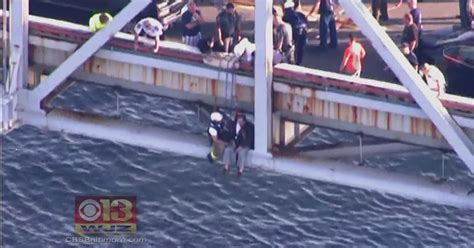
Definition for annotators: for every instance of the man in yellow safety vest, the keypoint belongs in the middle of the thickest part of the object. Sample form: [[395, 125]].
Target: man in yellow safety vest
[[99, 21]]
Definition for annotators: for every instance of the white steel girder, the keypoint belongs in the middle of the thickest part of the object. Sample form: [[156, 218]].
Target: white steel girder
[[87, 50], [425, 98], [16, 46], [263, 75]]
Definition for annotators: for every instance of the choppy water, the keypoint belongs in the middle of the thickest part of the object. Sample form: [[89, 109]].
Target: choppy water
[[188, 202]]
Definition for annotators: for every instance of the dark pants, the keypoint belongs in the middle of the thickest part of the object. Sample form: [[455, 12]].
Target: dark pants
[[382, 6], [422, 52], [289, 55], [300, 42], [465, 7], [327, 23]]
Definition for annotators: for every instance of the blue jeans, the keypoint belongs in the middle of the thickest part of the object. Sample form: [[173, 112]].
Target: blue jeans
[[327, 23], [465, 7]]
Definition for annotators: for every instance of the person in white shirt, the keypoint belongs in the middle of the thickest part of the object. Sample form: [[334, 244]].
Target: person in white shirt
[[149, 28], [434, 78]]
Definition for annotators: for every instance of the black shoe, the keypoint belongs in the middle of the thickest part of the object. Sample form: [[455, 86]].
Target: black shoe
[[209, 158]]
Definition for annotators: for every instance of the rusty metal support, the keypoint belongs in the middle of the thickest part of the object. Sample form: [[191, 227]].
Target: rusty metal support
[[301, 135]]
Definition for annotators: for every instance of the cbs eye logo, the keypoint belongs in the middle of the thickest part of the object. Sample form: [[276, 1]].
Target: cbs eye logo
[[101, 214], [89, 210]]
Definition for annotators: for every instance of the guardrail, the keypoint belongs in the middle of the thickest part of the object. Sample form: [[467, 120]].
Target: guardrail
[[290, 74]]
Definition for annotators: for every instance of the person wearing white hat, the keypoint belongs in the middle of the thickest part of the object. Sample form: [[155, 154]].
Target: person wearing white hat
[[219, 136], [289, 4], [295, 4], [293, 15]]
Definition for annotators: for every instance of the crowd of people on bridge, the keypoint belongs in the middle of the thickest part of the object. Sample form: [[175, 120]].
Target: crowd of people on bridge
[[232, 140], [290, 33]]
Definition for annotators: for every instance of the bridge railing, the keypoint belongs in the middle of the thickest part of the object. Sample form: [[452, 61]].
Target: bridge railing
[[289, 74]]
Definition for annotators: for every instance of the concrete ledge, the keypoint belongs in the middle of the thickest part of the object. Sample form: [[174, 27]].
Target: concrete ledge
[[412, 187]]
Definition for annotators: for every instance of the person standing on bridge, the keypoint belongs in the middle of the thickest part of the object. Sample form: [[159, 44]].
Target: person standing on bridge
[[465, 10], [420, 50], [415, 12], [380, 9], [228, 28], [292, 14], [410, 33], [352, 61], [327, 22], [149, 29], [99, 21], [192, 21]]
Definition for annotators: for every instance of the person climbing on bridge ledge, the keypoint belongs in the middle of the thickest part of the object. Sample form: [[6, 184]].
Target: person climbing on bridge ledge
[[434, 78], [150, 29], [99, 21]]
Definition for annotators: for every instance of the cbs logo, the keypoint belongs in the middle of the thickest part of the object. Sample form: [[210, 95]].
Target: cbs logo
[[116, 210]]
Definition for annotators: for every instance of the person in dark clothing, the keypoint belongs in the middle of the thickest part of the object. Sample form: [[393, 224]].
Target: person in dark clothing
[[192, 21], [410, 33], [415, 12], [220, 136], [298, 23], [420, 49], [465, 10], [411, 56], [380, 6], [243, 142], [228, 27], [327, 22], [205, 45]]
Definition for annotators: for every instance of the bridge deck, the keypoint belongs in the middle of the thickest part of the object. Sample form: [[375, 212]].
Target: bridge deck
[[171, 50], [301, 94]]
